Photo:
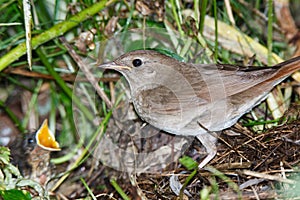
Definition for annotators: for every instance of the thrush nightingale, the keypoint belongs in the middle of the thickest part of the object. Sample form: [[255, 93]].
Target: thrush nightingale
[[195, 99]]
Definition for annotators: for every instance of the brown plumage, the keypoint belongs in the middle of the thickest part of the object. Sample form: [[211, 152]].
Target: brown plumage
[[176, 97]]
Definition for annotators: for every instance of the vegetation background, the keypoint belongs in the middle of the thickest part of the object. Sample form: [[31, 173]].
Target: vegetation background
[[61, 33]]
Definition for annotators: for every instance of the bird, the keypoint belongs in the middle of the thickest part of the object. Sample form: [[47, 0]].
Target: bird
[[31, 153], [195, 99]]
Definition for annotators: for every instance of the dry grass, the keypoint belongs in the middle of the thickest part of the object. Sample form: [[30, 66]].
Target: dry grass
[[255, 160]]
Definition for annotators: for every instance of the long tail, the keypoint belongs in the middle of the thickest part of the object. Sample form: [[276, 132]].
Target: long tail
[[286, 68]]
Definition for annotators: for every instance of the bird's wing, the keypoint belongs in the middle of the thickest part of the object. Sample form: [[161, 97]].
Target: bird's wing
[[234, 79]]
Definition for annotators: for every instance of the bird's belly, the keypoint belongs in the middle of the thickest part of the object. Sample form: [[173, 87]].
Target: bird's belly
[[187, 118]]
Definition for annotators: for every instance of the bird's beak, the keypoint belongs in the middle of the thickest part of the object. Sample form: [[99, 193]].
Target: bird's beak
[[46, 139], [114, 66]]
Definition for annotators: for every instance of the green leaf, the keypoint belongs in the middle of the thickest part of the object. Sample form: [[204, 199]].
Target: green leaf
[[15, 195], [168, 53], [4, 155], [13, 170], [188, 162]]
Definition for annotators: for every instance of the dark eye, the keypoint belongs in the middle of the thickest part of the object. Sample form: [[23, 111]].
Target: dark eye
[[137, 62], [30, 140]]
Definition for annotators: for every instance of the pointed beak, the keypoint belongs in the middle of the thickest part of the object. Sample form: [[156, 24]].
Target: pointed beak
[[114, 66]]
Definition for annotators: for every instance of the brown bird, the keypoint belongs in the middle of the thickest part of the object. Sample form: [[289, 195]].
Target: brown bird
[[32, 153], [195, 99]]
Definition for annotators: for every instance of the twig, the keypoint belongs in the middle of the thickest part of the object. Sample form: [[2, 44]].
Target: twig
[[86, 72], [268, 177]]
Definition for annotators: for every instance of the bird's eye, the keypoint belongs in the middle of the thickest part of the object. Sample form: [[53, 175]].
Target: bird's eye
[[137, 62], [30, 140]]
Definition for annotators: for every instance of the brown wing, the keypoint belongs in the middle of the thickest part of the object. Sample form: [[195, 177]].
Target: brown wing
[[163, 108], [245, 87], [233, 79], [237, 79]]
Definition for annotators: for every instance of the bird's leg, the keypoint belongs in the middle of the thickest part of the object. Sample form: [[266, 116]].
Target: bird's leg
[[209, 141]]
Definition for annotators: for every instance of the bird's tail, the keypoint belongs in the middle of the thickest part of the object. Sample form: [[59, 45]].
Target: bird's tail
[[286, 68]]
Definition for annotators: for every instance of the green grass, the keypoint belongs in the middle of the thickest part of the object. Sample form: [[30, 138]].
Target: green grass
[[51, 57]]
